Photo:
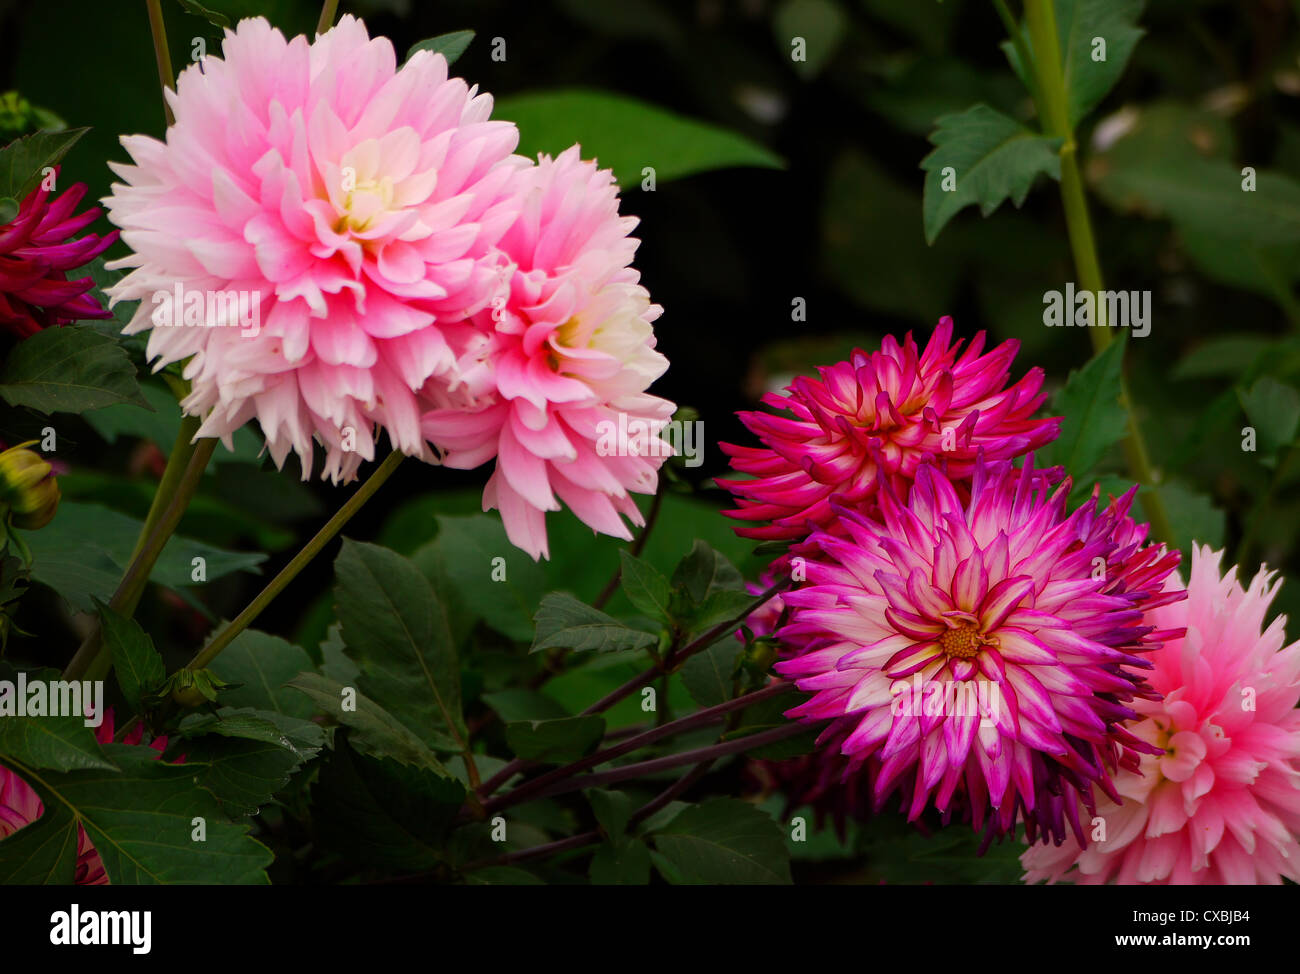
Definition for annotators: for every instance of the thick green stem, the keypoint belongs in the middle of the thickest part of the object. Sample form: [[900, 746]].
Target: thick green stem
[[327, 12], [90, 662], [177, 460], [161, 55], [1053, 109], [290, 571]]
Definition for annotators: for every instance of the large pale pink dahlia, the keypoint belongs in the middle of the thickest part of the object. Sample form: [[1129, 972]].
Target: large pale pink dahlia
[[983, 651], [873, 420], [20, 805], [559, 368], [337, 217], [37, 250], [1219, 801]]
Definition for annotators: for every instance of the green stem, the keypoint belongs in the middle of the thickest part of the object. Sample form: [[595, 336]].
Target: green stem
[[327, 12], [290, 571], [1018, 41], [1053, 109], [161, 55], [177, 460], [89, 662]]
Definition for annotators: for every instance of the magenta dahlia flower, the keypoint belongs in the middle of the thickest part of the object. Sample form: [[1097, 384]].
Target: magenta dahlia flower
[[21, 806], [313, 231], [983, 651], [37, 250], [1219, 800], [560, 365], [873, 420]]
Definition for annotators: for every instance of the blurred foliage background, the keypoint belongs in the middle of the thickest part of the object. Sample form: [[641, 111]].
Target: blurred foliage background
[[830, 212]]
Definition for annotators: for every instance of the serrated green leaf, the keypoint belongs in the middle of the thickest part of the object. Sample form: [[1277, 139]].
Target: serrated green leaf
[[1093, 419], [262, 665], [613, 810], [59, 743], [563, 739], [139, 668], [497, 581], [993, 158], [23, 161], [69, 370], [563, 622], [724, 841], [709, 676], [450, 45], [1273, 408], [704, 571], [645, 587], [627, 135], [375, 731], [395, 629]]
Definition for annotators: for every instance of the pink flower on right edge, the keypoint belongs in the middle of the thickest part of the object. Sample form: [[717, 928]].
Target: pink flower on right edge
[[873, 420], [1221, 805]]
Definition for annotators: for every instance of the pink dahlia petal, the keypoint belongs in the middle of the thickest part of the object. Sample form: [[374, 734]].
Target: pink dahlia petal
[[353, 205], [1219, 800]]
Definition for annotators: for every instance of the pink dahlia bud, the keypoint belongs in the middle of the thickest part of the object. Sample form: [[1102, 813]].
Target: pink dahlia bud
[[983, 650], [20, 805], [1218, 802], [560, 364], [873, 420], [37, 249], [310, 235]]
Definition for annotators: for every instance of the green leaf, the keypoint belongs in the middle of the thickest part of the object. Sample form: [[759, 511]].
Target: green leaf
[[645, 587], [1079, 23], [1227, 356], [993, 158], [395, 629], [8, 210], [627, 135], [263, 664], [1094, 420], [821, 25], [245, 756], [23, 161], [60, 743], [724, 840], [522, 703], [375, 731], [214, 17], [83, 552], [69, 370], [766, 715], [565, 623], [704, 571], [624, 864], [708, 676], [451, 45], [1273, 408], [564, 739], [140, 816], [497, 581], [161, 426], [613, 810], [1193, 517], [140, 669], [43, 853], [381, 812]]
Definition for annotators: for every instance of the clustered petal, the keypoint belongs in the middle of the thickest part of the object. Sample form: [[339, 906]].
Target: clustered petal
[[1216, 799], [37, 250], [985, 650], [337, 218], [560, 364], [873, 420]]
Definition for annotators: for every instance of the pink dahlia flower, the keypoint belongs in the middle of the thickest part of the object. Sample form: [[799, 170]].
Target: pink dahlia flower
[[20, 805], [560, 364], [37, 249], [873, 420], [983, 651], [313, 231], [1219, 800]]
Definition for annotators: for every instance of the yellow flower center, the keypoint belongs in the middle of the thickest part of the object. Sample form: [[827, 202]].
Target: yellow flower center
[[963, 643]]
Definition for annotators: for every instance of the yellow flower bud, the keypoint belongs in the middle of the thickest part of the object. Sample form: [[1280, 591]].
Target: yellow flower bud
[[29, 492]]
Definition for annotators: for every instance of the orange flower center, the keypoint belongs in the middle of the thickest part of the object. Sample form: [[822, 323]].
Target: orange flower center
[[962, 643]]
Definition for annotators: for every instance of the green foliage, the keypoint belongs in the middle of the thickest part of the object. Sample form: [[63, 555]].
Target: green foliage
[[722, 841], [627, 135], [451, 45], [555, 741], [139, 669], [23, 162], [1093, 419], [565, 623], [69, 370]]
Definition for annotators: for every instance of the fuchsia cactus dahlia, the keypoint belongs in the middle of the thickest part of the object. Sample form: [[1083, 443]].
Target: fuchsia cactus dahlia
[[560, 365], [873, 420], [1218, 802], [37, 250], [983, 651], [334, 219]]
